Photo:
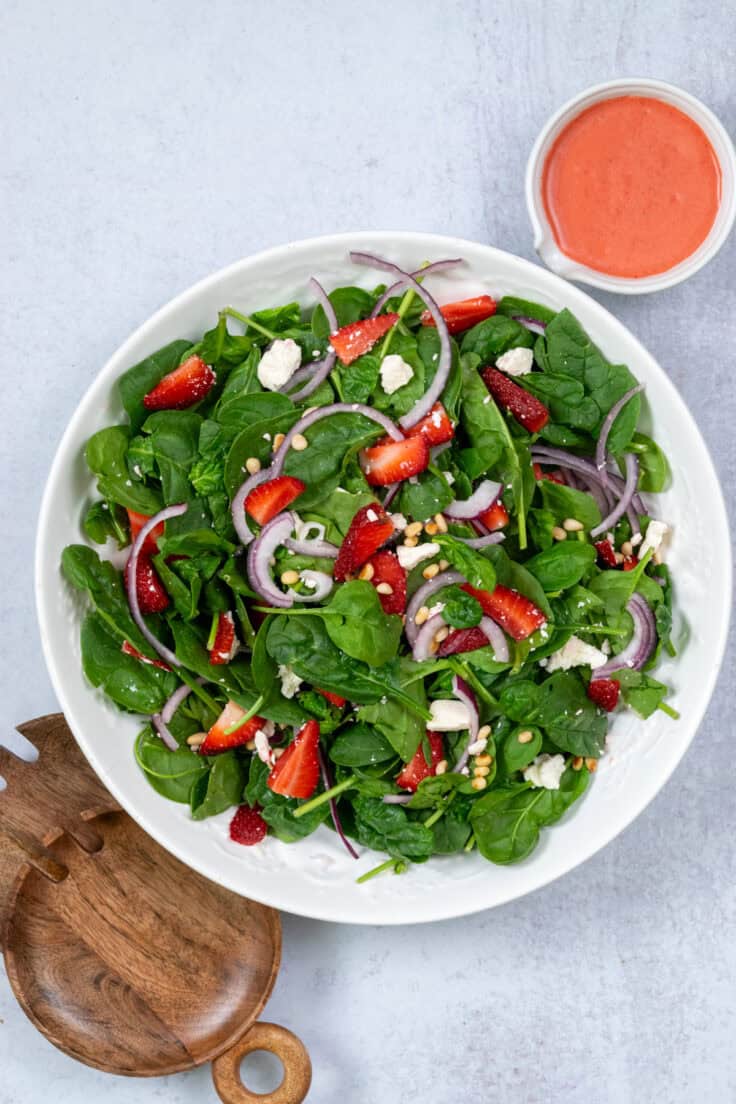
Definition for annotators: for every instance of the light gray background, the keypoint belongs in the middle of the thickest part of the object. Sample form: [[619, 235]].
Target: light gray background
[[147, 143]]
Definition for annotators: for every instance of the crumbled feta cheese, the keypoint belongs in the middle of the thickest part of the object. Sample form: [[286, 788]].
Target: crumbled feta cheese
[[290, 682], [308, 581], [435, 609], [399, 521], [279, 363], [449, 478], [655, 534], [546, 771], [448, 715], [263, 747], [395, 373], [516, 362], [636, 539], [576, 653], [477, 747], [410, 557]]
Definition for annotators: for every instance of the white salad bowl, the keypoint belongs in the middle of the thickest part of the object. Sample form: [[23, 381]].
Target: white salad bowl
[[316, 877]]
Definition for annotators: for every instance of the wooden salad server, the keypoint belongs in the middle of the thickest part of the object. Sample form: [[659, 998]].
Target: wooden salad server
[[120, 955]]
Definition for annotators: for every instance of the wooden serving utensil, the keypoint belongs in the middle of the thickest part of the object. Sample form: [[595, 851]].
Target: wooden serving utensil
[[121, 956]]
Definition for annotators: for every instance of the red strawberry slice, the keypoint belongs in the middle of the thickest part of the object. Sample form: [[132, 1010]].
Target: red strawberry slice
[[296, 773], [528, 410], [462, 640], [248, 826], [128, 649], [225, 644], [604, 692], [219, 739], [606, 553], [554, 477], [152, 596], [333, 699], [495, 517], [436, 427], [388, 572], [418, 768], [629, 563], [268, 499], [186, 385], [136, 523], [516, 615], [393, 461], [358, 338], [463, 314], [370, 528]]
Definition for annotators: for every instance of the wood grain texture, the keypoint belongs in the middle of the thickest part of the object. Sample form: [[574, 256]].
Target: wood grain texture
[[281, 1042]]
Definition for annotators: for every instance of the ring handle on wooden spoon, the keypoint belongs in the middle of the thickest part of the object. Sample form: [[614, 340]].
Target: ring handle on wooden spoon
[[279, 1041]]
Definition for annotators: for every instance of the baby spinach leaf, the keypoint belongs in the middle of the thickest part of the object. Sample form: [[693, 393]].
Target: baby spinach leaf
[[171, 773], [106, 455], [523, 308], [640, 691], [569, 717], [388, 828], [359, 379], [339, 509], [452, 831], [479, 571], [143, 377], [220, 788], [402, 728], [265, 676], [565, 398], [654, 468], [135, 686], [496, 335], [330, 442], [482, 422], [562, 566], [243, 410], [566, 502], [106, 519], [174, 436], [514, 755], [278, 811], [356, 623], [255, 440], [361, 745], [462, 610], [351, 305], [428, 496]]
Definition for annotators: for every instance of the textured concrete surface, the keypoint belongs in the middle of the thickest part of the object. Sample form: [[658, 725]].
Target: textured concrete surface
[[148, 143]]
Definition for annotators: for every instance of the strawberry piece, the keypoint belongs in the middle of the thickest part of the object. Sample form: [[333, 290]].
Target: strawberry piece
[[225, 643], [418, 768], [219, 739], [268, 499], [554, 477], [128, 649], [517, 615], [495, 517], [136, 523], [462, 640], [358, 338], [186, 385], [248, 826], [527, 409], [604, 692], [296, 773], [463, 314], [606, 553], [629, 563], [370, 528], [333, 699], [388, 570], [393, 461], [436, 426], [152, 596]]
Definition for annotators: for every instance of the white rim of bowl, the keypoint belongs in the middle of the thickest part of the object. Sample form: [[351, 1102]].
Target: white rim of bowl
[[544, 242]]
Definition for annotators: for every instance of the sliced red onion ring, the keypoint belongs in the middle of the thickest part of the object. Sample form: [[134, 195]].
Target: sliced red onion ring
[[320, 549], [548, 454], [481, 499], [463, 693], [437, 450], [600, 449], [428, 270], [313, 416], [496, 639], [237, 508], [427, 401], [632, 476], [421, 598], [161, 721], [327, 783], [532, 324], [397, 799], [422, 646], [641, 645], [260, 555], [322, 368], [393, 490], [323, 584], [130, 579], [484, 541]]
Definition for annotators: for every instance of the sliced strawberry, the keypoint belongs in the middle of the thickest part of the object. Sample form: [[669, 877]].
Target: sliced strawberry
[[333, 699], [128, 649], [496, 517], [268, 499], [395, 460], [136, 523], [248, 826], [152, 596], [436, 427], [463, 314], [554, 477], [226, 643], [462, 640], [527, 409], [388, 572], [606, 553], [604, 692], [629, 563], [418, 768], [296, 773], [186, 385], [370, 528], [358, 338], [517, 615], [219, 739]]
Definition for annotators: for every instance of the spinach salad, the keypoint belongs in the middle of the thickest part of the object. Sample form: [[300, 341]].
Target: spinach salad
[[377, 564]]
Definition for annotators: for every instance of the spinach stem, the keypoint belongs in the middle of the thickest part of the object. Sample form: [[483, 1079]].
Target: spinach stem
[[669, 711], [326, 795], [337, 383], [213, 631], [406, 302], [198, 690], [470, 844], [397, 865], [464, 671], [120, 535], [250, 713], [439, 812], [230, 312]]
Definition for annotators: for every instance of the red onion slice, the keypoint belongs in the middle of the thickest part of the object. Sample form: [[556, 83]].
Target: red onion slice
[[397, 799], [322, 368], [600, 449], [324, 412], [327, 783], [428, 270], [393, 490], [323, 584], [130, 581], [632, 477], [496, 639], [260, 555], [481, 500], [463, 693], [320, 549], [425, 404], [484, 541], [161, 721], [532, 324], [237, 508], [641, 645], [422, 646], [421, 598]]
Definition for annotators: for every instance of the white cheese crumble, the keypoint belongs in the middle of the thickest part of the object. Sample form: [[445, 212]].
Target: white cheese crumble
[[399, 521], [516, 362], [448, 715], [410, 557], [478, 746], [576, 653], [395, 373], [449, 478], [655, 534], [546, 771], [279, 363], [290, 682], [435, 609], [263, 747]]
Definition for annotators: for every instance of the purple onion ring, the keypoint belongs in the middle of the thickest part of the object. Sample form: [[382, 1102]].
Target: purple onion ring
[[131, 581]]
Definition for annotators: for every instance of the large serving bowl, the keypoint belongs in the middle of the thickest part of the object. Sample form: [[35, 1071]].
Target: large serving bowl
[[316, 877]]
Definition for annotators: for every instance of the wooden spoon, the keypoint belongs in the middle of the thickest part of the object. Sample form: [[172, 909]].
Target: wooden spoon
[[129, 961]]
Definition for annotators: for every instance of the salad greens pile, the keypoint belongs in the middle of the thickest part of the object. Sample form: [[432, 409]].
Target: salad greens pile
[[423, 639]]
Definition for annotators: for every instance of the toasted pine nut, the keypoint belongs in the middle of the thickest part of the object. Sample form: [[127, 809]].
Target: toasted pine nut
[[442, 634], [444, 564], [299, 442], [430, 571], [620, 558], [196, 740], [439, 520], [278, 440], [481, 772], [483, 760], [577, 762], [627, 548], [278, 752], [413, 529], [592, 765], [525, 737], [431, 528], [441, 767], [484, 732], [572, 525], [657, 558], [433, 646], [478, 784], [290, 578], [250, 746], [367, 571], [252, 465], [385, 588], [559, 534], [411, 542], [422, 615]]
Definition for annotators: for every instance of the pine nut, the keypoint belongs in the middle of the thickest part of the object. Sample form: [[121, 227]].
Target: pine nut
[[439, 520], [367, 572], [620, 558], [422, 615], [481, 772], [290, 578], [431, 528], [278, 752], [657, 558], [577, 762], [441, 767], [278, 440], [250, 746], [411, 542], [525, 737], [484, 732], [572, 525], [559, 534], [592, 765], [433, 646], [478, 784], [252, 465], [483, 760], [444, 564], [413, 529], [385, 588], [627, 548], [442, 634], [196, 740], [431, 571], [299, 442]]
